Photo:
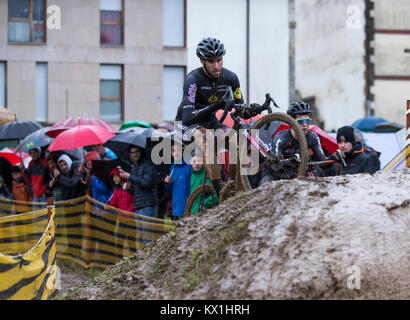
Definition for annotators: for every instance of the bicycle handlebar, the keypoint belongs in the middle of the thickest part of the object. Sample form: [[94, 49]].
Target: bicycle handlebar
[[228, 99], [240, 109]]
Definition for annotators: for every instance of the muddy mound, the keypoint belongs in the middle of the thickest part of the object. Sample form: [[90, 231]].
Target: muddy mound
[[341, 237]]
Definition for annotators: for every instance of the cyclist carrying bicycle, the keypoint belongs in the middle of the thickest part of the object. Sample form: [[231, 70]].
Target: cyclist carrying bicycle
[[203, 94], [286, 146]]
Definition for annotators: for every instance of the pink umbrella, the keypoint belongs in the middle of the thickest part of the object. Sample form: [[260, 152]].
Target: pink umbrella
[[65, 124], [80, 136]]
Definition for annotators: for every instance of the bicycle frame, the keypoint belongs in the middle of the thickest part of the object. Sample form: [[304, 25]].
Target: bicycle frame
[[263, 148]]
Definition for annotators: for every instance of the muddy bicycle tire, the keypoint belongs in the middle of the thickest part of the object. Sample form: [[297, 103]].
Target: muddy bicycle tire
[[300, 137], [200, 190]]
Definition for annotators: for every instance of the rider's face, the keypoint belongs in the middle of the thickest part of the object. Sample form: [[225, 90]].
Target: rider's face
[[213, 67], [303, 122]]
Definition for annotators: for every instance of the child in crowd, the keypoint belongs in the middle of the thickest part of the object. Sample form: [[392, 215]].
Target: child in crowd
[[20, 189], [178, 182], [4, 192], [197, 178], [99, 191], [121, 198]]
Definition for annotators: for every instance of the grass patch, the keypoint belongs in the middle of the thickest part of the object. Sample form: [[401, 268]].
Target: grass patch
[[66, 265]]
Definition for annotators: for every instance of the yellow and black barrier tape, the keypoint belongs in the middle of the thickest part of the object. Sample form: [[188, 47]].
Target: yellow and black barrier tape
[[28, 274], [94, 234]]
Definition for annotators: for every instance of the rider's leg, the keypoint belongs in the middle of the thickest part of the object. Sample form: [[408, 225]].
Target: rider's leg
[[227, 142]]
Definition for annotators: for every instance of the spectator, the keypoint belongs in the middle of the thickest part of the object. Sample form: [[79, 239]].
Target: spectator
[[164, 196], [104, 152], [52, 187], [19, 187], [178, 182], [143, 177], [99, 191], [372, 153], [357, 161], [36, 174], [69, 179], [121, 198], [4, 192], [197, 179]]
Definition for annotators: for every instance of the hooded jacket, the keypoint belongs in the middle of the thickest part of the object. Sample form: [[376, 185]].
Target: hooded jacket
[[70, 183], [36, 175], [121, 198], [357, 161]]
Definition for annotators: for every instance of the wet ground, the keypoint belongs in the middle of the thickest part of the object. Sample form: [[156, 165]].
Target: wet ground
[[341, 237]]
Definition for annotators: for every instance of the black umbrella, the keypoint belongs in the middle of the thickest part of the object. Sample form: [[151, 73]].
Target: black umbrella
[[102, 168], [141, 137], [37, 138], [18, 129], [5, 171], [74, 154], [121, 142]]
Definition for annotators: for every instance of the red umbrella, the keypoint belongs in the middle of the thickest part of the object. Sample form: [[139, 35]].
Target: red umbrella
[[329, 142], [229, 121], [80, 136], [11, 157], [65, 124], [21, 155]]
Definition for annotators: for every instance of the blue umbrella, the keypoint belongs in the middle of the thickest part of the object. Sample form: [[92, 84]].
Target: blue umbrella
[[367, 123]]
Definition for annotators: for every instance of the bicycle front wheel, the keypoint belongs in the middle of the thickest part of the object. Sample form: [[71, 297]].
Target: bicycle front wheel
[[200, 193], [250, 182]]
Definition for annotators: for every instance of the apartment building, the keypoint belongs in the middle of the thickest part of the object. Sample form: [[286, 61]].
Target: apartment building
[[117, 60]]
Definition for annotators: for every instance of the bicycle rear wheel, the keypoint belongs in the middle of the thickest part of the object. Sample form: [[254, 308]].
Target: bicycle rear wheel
[[263, 124]]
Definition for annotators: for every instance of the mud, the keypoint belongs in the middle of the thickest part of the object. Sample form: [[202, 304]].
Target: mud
[[341, 237]]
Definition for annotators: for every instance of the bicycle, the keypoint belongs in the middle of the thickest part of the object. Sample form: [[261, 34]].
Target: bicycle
[[265, 152]]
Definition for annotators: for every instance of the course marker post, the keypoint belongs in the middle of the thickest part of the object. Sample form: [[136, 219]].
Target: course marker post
[[408, 135]]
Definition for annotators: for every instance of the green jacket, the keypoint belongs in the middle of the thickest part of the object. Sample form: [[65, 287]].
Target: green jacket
[[197, 178]]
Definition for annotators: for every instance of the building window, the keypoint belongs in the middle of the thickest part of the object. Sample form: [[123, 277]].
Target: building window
[[173, 83], [2, 84], [26, 21], [41, 91], [111, 93], [111, 19], [173, 26]]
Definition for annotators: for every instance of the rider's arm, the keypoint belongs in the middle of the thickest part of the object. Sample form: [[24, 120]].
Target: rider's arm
[[190, 115], [236, 88], [316, 145], [279, 143]]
